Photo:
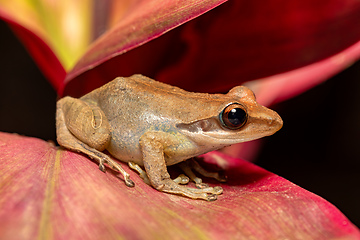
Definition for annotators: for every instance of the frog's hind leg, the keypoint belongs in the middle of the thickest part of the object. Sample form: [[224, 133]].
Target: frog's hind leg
[[83, 127], [191, 164]]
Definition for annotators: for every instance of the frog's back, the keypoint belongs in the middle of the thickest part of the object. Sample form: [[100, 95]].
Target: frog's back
[[142, 94], [136, 105]]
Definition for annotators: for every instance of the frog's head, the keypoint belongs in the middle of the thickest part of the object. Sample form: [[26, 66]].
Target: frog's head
[[237, 118]]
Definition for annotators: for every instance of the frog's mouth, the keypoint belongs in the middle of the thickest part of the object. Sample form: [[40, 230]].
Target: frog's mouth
[[200, 126], [211, 129]]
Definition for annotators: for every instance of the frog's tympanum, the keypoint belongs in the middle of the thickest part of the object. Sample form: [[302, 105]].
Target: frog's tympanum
[[152, 125]]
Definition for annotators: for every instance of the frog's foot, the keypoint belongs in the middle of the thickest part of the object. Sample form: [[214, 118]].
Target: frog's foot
[[174, 186], [208, 194], [102, 158], [191, 164], [181, 179], [117, 167], [141, 172]]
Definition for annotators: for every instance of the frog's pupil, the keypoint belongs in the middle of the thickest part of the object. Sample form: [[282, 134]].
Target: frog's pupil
[[237, 116]]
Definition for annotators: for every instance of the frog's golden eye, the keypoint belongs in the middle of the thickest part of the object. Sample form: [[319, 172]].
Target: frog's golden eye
[[233, 116]]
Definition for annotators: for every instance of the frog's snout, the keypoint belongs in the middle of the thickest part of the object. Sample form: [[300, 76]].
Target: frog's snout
[[270, 120], [275, 122]]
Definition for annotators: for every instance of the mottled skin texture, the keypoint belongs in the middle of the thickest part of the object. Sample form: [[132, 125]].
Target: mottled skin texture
[[154, 125]]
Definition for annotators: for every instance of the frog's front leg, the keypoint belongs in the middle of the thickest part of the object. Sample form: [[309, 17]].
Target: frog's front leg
[[83, 127], [181, 179], [153, 145]]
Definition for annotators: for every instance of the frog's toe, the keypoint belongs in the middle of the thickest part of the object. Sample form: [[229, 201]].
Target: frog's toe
[[190, 165], [218, 190], [208, 194], [170, 186], [212, 190], [117, 167], [211, 197], [141, 172], [102, 167], [182, 179], [129, 182], [201, 185]]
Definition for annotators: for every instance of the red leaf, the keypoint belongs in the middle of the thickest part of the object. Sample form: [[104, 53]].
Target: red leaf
[[50, 193], [147, 20], [236, 42], [45, 58], [283, 86]]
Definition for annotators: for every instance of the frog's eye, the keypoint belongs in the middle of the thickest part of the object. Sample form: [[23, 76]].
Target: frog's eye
[[233, 116]]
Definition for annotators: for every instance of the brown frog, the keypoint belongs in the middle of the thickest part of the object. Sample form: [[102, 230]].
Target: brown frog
[[154, 125]]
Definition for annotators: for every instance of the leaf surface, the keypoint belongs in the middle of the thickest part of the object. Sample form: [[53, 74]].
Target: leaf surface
[[234, 43], [50, 193]]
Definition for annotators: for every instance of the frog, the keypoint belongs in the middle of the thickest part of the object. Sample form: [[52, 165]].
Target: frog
[[151, 125]]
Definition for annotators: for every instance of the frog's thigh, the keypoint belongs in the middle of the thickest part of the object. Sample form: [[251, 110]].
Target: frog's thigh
[[152, 146], [86, 122], [71, 117]]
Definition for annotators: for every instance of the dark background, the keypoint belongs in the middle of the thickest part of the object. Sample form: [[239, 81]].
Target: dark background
[[318, 147]]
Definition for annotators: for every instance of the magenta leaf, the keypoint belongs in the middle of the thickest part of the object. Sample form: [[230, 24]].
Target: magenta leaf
[[235, 42], [293, 83], [51, 193], [147, 20]]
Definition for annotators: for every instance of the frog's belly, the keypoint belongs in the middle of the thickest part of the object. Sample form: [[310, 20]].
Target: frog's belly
[[125, 148], [131, 152]]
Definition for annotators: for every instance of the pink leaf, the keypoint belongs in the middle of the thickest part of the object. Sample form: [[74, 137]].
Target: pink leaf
[[236, 42], [146, 20], [283, 86], [50, 193]]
